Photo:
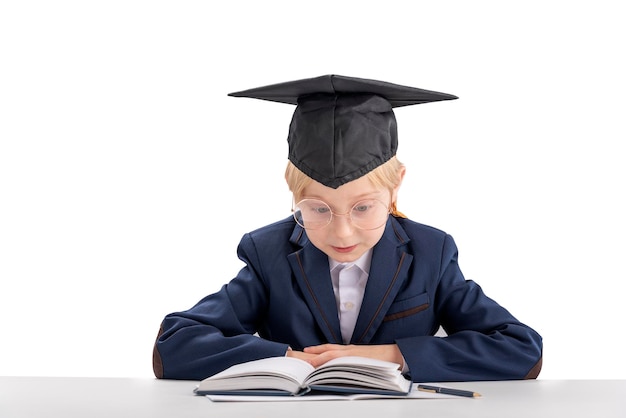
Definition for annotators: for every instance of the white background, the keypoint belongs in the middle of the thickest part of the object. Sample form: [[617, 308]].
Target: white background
[[122, 160]]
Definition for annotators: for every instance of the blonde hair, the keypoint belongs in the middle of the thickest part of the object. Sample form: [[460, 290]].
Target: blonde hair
[[385, 176]]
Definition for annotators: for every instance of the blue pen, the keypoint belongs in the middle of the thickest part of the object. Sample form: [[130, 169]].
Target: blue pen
[[448, 391]]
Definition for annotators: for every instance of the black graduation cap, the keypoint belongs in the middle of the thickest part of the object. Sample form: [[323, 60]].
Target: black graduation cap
[[343, 127]]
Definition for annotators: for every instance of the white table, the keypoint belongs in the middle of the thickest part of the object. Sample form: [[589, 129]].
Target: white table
[[67, 397]]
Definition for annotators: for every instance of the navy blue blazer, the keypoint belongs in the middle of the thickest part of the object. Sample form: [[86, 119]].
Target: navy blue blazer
[[284, 297]]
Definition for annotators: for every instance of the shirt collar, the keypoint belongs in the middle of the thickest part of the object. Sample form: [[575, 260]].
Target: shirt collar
[[362, 262]]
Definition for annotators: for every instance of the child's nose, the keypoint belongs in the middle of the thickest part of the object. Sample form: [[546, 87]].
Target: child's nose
[[342, 225]]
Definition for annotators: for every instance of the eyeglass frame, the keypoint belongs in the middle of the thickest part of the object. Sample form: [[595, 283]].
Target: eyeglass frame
[[333, 213]]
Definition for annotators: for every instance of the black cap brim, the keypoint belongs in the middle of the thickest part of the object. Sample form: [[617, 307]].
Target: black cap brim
[[289, 92]]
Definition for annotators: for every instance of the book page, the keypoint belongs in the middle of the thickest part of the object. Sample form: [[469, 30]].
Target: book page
[[359, 372], [282, 373], [361, 362]]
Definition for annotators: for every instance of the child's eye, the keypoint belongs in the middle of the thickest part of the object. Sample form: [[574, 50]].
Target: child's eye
[[321, 210], [361, 207]]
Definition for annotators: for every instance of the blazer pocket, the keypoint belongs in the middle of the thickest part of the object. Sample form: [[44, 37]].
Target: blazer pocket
[[407, 307]]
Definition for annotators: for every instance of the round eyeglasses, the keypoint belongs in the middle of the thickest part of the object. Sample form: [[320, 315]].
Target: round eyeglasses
[[316, 214]]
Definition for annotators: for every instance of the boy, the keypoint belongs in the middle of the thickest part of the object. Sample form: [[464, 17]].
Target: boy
[[348, 274]]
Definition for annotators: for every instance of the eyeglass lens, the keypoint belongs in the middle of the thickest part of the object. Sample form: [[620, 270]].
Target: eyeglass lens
[[315, 214]]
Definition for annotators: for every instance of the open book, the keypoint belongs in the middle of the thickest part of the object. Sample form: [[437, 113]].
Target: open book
[[291, 376]]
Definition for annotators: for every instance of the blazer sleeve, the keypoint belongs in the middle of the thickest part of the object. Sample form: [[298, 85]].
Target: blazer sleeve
[[484, 342], [218, 331]]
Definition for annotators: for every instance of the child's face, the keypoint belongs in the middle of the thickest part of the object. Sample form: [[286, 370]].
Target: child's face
[[340, 240]]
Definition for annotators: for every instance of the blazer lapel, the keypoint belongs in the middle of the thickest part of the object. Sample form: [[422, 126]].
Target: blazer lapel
[[310, 268], [388, 271]]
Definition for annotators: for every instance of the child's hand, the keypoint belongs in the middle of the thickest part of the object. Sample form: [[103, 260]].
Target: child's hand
[[301, 355], [320, 354]]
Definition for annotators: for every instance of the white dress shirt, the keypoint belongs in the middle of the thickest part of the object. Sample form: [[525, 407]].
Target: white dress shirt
[[349, 280]]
